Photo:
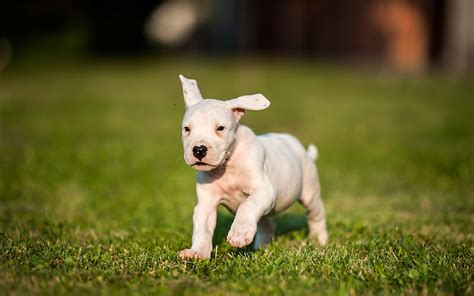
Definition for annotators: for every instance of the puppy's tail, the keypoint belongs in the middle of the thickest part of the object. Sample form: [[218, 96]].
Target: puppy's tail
[[312, 152]]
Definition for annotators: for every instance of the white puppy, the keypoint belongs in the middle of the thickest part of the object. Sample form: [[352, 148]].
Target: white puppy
[[252, 176]]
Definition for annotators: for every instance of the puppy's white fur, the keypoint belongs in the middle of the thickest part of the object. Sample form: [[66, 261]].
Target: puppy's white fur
[[252, 176]]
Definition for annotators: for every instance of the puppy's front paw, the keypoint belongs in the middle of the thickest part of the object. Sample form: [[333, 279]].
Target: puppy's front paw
[[241, 234], [191, 254]]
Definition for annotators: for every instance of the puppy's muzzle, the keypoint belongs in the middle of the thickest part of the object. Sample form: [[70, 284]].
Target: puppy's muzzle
[[200, 152]]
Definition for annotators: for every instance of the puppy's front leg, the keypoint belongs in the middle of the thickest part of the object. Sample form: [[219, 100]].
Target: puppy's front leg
[[204, 223], [244, 227]]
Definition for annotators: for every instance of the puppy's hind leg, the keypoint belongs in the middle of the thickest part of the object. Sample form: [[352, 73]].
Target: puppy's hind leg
[[316, 219], [311, 200], [265, 232]]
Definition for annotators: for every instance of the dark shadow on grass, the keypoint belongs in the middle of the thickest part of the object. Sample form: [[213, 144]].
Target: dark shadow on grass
[[224, 221], [289, 223], [286, 224]]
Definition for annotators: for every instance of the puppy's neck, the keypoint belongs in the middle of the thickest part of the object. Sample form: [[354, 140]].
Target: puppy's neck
[[242, 136]]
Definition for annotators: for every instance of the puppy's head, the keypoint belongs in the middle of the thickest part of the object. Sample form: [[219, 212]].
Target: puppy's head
[[209, 126]]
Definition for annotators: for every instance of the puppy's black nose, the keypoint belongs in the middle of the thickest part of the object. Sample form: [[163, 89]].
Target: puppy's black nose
[[200, 151]]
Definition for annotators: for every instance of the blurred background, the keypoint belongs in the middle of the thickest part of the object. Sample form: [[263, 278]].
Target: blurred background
[[406, 35]]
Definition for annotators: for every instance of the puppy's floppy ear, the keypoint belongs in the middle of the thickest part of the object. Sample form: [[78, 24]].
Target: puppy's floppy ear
[[249, 102], [191, 92]]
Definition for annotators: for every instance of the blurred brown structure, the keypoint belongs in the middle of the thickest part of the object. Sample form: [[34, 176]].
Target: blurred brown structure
[[409, 35], [405, 34]]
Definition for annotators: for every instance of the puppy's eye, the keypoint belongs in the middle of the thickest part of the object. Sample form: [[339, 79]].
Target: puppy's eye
[[186, 129], [220, 128]]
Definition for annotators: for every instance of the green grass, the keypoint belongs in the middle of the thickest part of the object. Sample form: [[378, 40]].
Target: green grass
[[95, 197]]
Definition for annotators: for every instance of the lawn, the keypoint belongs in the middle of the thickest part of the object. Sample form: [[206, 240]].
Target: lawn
[[95, 196]]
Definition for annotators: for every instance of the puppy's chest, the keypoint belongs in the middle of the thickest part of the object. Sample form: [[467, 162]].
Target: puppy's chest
[[233, 191]]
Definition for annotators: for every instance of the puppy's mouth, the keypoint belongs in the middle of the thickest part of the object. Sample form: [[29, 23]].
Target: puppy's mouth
[[200, 164]]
